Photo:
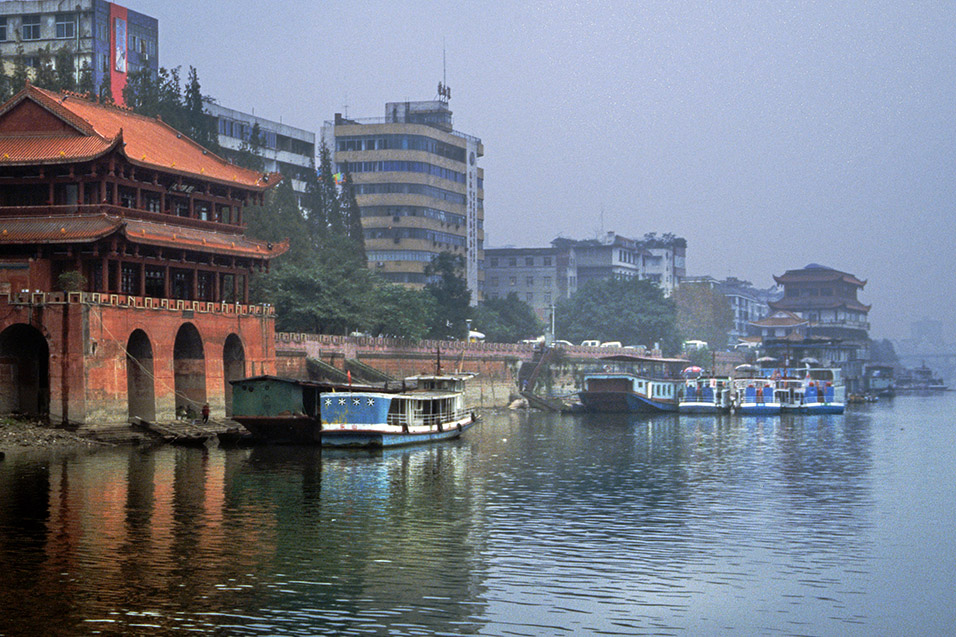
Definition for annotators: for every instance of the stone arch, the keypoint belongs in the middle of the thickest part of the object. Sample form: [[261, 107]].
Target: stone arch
[[140, 378], [24, 371], [189, 370], [233, 366]]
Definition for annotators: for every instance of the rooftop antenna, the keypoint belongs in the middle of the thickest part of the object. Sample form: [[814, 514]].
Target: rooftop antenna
[[345, 107], [444, 91]]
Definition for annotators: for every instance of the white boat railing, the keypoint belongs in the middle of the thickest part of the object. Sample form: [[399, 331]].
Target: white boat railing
[[426, 420]]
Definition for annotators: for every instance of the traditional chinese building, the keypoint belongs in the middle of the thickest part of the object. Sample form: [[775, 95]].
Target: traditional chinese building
[[124, 270]]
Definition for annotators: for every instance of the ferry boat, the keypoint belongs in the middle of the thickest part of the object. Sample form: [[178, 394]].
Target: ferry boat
[[755, 397], [821, 391], [628, 383], [435, 410], [706, 396], [283, 410]]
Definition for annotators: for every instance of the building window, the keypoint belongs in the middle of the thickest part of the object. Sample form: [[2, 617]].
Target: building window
[[529, 260], [65, 26], [530, 281], [546, 260], [547, 281], [494, 281], [513, 281], [31, 27], [494, 262], [547, 297], [3, 29], [513, 261]]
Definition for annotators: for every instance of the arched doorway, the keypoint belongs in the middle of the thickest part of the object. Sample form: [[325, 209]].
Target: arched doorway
[[24, 371], [189, 371], [233, 366], [140, 386]]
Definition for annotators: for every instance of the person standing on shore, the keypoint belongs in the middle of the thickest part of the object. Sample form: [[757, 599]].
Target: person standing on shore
[[205, 413]]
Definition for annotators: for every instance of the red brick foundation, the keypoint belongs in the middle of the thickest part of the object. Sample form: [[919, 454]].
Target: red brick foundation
[[87, 336]]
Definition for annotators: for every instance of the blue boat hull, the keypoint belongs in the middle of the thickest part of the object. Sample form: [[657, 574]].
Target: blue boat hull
[[759, 409], [604, 402]]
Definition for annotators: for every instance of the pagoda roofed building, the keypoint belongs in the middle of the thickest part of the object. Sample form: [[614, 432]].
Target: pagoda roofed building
[[838, 329], [124, 266]]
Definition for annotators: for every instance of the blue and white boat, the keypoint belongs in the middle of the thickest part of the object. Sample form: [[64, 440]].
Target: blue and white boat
[[821, 391], [756, 397], [629, 383], [434, 411], [706, 395], [284, 410]]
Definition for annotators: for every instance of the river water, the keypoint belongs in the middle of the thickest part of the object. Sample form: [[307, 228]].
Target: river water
[[531, 524]]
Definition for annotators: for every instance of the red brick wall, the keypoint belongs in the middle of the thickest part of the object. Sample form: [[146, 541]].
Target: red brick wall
[[87, 341]]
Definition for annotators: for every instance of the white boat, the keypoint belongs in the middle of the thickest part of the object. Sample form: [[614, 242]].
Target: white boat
[[706, 395], [434, 411], [755, 397]]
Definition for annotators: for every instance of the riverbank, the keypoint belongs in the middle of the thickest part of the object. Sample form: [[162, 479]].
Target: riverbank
[[28, 433]]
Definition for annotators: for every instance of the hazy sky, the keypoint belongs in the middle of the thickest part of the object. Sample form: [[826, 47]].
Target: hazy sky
[[770, 135]]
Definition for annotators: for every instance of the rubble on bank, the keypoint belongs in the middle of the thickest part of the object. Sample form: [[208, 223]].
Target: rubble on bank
[[30, 433]]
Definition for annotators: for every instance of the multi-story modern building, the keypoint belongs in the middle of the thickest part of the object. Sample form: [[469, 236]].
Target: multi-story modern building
[[541, 276], [418, 185], [284, 149], [112, 40], [666, 260], [530, 273]]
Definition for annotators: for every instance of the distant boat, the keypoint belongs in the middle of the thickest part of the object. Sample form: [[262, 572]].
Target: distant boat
[[628, 383]]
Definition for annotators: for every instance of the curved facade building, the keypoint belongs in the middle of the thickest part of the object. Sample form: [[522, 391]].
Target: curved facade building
[[419, 186]]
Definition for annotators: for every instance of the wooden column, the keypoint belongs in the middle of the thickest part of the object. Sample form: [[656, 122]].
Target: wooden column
[[195, 290], [51, 193], [142, 278], [167, 285], [245, 289], [215, 286], [105, 275]]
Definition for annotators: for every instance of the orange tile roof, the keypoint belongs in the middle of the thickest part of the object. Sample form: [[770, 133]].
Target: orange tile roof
[[56, 229], [88, 228], [145, 141], [175, 236]]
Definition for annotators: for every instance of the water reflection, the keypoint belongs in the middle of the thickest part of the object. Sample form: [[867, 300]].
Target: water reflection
[[531, 524]]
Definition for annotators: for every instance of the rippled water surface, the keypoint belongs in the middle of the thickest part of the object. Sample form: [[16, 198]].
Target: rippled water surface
[[532, 524]]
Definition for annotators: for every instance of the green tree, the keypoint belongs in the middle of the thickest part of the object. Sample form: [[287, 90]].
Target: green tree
[[65, 69], [249, 154], [353, 215], [280, 219], [45, 76], [21, 74], [398, 311], [507, 320], [200, 126], [5, 92], [86, 84], [450, 291], [322, 201], [629, 310], [703, 314]]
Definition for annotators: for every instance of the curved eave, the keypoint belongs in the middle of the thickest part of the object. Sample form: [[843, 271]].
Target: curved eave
[[63, 159]]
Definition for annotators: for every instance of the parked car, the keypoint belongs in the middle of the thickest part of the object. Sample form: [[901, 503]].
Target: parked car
[[611, 344], [591, 343]]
